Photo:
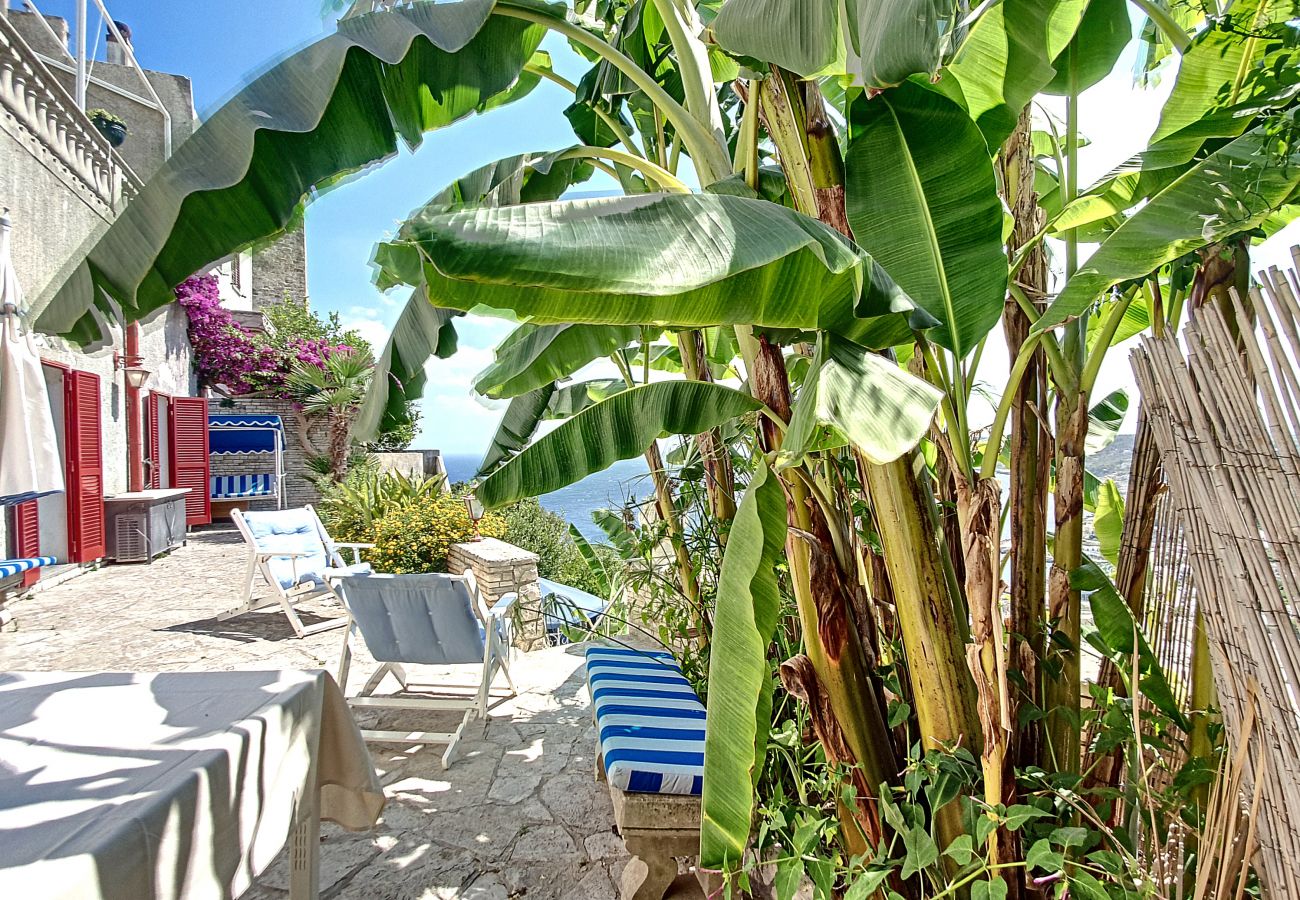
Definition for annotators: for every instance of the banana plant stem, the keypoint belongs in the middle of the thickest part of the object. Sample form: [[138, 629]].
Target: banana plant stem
[[704, 147], [661, 176], [612, 123]]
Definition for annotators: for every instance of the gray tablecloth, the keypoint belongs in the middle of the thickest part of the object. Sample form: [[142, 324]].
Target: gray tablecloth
[[132, 786]]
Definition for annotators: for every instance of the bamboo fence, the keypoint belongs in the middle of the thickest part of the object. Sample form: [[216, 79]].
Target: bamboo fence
[[1224, 408]]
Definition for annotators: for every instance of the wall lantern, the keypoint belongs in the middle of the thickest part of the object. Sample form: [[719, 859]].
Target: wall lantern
[[132, 369]]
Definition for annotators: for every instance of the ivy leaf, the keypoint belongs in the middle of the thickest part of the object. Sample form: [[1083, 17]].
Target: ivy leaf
[[788, 875], [1019, 814], [1042, 856], [961, 850], [989, 890], [866, 884], [1069, 836], [921, 851]]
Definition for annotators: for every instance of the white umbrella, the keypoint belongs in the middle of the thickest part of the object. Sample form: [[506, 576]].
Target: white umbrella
[[29, 445]]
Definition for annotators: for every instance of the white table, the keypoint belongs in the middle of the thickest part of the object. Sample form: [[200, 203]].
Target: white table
[[136, 786]]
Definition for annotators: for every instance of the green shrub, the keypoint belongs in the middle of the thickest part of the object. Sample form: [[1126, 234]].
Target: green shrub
[[352, 508], [415, 537], [541, 531]]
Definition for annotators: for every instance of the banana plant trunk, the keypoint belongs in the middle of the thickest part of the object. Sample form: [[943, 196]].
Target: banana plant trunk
[[719, 479], [831, 676], [1030, 449], [942, 688], [686, 579], [1062, 691]]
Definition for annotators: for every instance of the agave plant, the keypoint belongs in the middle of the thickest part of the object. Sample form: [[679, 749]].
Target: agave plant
[[876, 194]]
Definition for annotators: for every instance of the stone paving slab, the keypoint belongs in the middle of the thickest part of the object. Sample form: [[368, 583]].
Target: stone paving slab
[[518, 814]]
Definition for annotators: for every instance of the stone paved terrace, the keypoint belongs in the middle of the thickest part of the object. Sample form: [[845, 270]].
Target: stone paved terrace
[[519, 813]]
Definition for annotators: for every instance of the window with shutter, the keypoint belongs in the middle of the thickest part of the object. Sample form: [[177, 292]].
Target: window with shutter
[[189, 450], [27, 536], [85, 466]]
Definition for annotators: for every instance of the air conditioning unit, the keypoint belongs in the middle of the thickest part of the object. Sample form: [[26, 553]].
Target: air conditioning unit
[[130, 538], [144, 524]]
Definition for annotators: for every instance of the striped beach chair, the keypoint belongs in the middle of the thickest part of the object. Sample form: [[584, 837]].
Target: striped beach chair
[[650, 725]]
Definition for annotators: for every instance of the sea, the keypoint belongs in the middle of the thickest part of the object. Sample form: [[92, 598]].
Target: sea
[[610, 489], [630, 478]]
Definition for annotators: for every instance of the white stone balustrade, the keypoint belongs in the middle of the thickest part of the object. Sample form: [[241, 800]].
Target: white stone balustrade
[[33, 99]]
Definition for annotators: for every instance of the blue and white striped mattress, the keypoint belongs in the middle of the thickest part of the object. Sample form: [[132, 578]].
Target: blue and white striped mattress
[[229, 487], [10, 567], [649, 719]]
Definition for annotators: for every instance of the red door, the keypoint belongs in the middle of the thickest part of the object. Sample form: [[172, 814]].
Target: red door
[[85, 473], [27, 537], [189, 446]]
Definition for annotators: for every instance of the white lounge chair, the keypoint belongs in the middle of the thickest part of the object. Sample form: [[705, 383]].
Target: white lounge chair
[[297, 558], [429, 620]]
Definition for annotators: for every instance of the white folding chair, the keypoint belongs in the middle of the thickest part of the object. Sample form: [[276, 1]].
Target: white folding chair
[[294, 554], [427, 620]]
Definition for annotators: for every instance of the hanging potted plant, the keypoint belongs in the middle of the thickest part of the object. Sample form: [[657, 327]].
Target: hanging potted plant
[[112, 127]]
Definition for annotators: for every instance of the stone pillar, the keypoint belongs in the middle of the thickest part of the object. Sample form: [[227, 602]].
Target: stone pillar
[[499, 569]]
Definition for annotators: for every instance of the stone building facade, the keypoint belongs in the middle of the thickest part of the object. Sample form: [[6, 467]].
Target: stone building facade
[[63, 185]]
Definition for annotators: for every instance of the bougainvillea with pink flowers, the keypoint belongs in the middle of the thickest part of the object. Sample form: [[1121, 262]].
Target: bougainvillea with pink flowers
[[229, 354]]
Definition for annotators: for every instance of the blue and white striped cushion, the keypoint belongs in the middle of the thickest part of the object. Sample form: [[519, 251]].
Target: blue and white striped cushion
[[10, 567], [228, 487], [649, 719]]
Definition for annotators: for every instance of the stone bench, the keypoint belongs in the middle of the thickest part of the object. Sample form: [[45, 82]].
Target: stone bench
[[650, 733]]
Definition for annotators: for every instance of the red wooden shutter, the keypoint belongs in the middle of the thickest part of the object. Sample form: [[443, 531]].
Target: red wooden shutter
[[189, 444], [85, 466], [27, 536], [155, 448]]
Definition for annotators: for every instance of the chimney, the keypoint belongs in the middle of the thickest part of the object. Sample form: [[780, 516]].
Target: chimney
[[116, 52]]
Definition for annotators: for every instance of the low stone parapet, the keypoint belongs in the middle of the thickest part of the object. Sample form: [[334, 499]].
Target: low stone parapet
[[500, 568]]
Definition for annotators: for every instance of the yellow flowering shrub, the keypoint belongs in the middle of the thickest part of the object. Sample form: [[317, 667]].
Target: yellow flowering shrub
[[415, 538]]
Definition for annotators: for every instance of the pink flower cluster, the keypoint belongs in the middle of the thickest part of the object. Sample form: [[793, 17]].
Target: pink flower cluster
[[231, 355]]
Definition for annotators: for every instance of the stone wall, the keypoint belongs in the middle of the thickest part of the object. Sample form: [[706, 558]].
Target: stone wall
[[299, 490], [120, 90], [280, 270], [500, 568], [410, 464]]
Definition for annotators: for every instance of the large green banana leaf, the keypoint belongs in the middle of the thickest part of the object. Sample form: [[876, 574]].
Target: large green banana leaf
[[878, 407], [330, 109], [620, 427], [683, 260], [804, 37], [922, 199], [1219, 69], [1230, 191], [398, 376], [1007, 58], [534, 355], [890, 40], [525, 178], [1101, 36], [525, 412], [518, 425], [740, 677], [422, 331], [1195, 115]]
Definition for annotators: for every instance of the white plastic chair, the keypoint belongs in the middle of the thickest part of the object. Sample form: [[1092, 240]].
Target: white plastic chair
[[297, 558]]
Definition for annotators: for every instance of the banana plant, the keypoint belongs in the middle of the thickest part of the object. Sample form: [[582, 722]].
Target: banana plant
[[855, 161]]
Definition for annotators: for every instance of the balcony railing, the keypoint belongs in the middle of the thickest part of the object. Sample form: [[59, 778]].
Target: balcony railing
[[40, 105]]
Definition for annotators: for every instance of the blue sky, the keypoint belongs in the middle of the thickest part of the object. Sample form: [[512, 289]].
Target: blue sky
[[220, 45]]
